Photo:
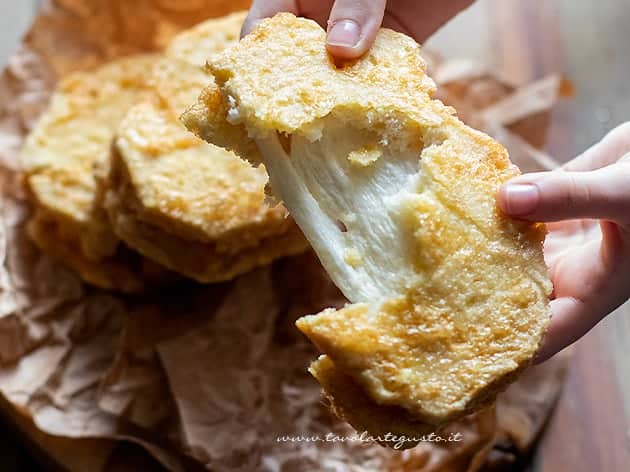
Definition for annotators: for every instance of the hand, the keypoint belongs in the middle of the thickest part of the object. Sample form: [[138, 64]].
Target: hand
[[588, 245], [352, 24]]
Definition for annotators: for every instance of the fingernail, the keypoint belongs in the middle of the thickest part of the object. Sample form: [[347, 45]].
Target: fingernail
[[345, 33], [520, 199]]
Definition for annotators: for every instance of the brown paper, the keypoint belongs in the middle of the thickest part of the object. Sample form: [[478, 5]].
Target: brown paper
[[517, 117], [247, 363], [135, 388], [523, 409], [216, 373]]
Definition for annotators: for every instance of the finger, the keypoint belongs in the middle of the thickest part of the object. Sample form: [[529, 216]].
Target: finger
[[353, 26], [557, 195], [262, 9], [607, 151]]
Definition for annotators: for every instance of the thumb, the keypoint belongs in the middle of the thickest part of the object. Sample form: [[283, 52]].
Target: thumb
[[557, 195], [353, 26]]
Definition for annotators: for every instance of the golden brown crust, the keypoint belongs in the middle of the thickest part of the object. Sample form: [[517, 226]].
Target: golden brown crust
[[76, 131], [397, 196], [194, 45], [391, 75]]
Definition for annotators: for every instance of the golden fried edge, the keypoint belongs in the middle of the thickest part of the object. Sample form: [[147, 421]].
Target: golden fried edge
[[125, 271], [202, 261]]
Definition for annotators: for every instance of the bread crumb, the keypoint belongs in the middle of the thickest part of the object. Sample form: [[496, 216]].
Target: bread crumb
[[365, 157], [353, 257]]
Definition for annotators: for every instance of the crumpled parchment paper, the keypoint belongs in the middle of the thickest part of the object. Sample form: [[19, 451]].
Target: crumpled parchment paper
[[211, 376]]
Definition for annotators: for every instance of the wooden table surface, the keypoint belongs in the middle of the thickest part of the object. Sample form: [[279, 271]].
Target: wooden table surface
[[587, 40]]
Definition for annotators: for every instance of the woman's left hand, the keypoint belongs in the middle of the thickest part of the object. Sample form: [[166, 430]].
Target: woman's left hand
[[587, 206]]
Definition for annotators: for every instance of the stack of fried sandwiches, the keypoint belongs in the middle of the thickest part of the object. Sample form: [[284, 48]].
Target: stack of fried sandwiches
[[127, 197]]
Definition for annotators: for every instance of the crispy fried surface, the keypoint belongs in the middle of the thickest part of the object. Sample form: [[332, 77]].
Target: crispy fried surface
[[72, 137], [194, 207], [350, 402], [397, 196], [279, 90], [196, 44]]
